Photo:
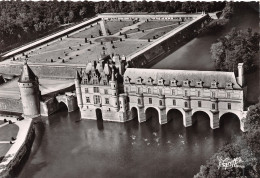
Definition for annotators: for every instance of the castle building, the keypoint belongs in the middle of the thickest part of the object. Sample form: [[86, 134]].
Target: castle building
[[100, 91]]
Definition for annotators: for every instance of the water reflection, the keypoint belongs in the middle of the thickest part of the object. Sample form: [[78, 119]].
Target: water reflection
[[65, 148]]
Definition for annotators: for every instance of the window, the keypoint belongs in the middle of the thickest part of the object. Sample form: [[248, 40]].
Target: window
[[198, 93], [96, 99], [139, 90], [185, 104], [150, 101], [160, 91], [105, 82], [160, 102], [105, 91], [185, 93], [96, 90], [86, 90], [149, 90], [126, 89], [139, 101], [213, 106], [174, 102], [95, 81], [107, 100], [229, 105], [228, 94], [87, 100], [199, 103], [85, 81], [213, 94], [173, 92]]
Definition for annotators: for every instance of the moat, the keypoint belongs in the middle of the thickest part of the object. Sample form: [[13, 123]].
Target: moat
[[108, 149]]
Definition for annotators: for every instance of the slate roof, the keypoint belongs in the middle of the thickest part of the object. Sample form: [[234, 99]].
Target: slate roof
[[27, 74], [180, 75]]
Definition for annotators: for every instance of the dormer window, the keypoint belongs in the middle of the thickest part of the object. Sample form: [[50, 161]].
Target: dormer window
[[229, 85], [127, 79], [161, 81], [139, 81], [199, 84], [186, 83], [174, 82], [214, 84], [150, 81]]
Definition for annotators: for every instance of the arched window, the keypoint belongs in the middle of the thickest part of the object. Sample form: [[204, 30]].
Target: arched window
[[186, 104], [160, 103]]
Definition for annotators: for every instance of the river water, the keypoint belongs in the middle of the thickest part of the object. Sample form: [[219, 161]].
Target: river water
[[65, 147]]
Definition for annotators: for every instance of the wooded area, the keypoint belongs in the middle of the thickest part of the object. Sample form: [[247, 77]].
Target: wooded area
[[21, 22]]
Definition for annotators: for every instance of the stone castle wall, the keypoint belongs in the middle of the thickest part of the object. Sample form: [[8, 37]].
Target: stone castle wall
[[11, 105], [42, 70], [156, 53]]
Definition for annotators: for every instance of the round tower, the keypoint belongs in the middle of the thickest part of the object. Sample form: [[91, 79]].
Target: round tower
[[30, 93], [78, 90], [114, 90]]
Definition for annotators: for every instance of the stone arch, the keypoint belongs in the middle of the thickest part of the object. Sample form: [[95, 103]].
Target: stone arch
[[62, 105], [150, 115], [134, 113], [229, 114], [172, 109], [99, 114], [207, 112]]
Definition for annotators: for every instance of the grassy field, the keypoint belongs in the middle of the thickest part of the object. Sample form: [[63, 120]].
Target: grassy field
[[155, 24], [86, 33], [116, 26], [158, 32], [1, 122], [4, 147], [8, 131], [128, 47]]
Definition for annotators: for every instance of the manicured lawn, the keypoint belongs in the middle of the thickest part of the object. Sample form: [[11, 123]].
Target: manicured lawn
[[86, 33], [155, 24], [4, 147], [1, 122], [128, 47], [116, 26], [158, 32], [8, 131]]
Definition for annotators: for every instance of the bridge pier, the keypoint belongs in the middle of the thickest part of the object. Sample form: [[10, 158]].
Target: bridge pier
[[214, 120], [141, 114], [187, 118], [163, 116]]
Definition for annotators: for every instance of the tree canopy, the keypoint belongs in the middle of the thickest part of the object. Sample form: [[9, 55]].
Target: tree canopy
[[24, 21], [247, 148], [236, 47]]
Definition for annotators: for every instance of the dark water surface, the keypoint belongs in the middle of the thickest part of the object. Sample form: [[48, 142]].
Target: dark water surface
[[65, 148]]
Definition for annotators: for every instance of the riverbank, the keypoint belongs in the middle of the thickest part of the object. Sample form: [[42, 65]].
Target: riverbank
[[21, 146]]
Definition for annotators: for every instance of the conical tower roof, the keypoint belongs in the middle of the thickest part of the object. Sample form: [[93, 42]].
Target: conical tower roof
[[27, 74]]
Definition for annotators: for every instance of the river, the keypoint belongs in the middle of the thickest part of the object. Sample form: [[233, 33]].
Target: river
[[65, 147]]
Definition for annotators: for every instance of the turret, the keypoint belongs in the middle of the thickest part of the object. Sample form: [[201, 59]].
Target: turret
[[77, 81], [30, 93], [240, 78], [114, 90]]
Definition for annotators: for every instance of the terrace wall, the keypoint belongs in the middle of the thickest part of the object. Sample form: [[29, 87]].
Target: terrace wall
[[152, 55], [11, 105], [43, 70]]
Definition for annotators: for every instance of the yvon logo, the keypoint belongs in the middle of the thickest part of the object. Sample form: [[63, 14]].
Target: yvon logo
[[230, 163]]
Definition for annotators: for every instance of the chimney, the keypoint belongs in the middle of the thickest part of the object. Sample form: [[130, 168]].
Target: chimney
[[241, 79]]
